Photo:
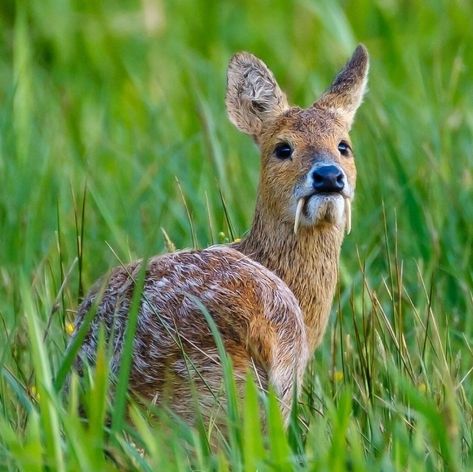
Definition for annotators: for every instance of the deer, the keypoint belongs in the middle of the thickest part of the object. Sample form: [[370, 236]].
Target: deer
[[270, 293]]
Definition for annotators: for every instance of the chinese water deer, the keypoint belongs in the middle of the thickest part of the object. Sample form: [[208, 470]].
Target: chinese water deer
[[270, 294]]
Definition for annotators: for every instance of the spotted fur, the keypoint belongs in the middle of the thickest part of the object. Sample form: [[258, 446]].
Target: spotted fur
[[270, 294], [258, 318]]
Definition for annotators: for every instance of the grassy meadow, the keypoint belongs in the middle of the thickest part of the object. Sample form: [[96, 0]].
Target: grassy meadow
[[113, 134]]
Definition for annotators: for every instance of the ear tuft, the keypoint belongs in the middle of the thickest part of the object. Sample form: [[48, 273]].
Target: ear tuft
[[345, 94], [253, 95]]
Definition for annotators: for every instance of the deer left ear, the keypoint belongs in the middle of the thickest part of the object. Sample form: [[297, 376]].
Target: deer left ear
[[253, 95], [345, 94]]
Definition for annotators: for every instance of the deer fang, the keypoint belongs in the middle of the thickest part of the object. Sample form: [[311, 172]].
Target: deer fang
[[347, 215], [300, 205]]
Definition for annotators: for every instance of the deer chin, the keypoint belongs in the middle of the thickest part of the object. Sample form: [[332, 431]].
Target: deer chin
[[323, 208]]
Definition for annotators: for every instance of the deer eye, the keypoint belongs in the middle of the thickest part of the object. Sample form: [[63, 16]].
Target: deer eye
[[283, 151], [344, 148]]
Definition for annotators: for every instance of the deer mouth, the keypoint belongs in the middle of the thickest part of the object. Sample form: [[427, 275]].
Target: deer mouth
[[318, 207]]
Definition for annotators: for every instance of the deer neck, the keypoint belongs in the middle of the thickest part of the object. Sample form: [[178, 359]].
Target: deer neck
[[307, 262]]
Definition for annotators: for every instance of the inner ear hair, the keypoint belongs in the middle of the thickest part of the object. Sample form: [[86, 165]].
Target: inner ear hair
[[258, 106]]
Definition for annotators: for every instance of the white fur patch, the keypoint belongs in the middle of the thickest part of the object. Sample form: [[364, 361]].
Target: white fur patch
[[329, 208]]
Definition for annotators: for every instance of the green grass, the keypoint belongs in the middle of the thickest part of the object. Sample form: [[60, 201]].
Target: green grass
[[113, 128]]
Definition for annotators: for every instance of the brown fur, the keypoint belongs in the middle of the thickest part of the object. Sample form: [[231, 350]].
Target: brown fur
[[270, 294]]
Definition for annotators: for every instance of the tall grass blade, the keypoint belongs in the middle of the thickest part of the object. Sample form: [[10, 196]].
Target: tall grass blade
[[47, 403]]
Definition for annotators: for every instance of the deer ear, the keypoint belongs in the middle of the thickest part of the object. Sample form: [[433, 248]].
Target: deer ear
[[345, 94], [253, 95]]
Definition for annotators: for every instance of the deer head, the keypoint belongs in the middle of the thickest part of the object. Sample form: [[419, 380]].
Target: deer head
[[308, 170]]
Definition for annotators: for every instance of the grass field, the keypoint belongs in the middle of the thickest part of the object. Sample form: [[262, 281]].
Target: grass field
[[113, 127]]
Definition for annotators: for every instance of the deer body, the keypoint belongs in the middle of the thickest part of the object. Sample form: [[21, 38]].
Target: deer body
[[258, 318], [270, 294]]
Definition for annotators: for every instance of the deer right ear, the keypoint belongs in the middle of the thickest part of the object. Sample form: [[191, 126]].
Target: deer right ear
[[345, 94], [253, 95]]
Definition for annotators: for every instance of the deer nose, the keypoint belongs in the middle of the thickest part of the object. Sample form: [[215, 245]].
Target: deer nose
[[328, 179]]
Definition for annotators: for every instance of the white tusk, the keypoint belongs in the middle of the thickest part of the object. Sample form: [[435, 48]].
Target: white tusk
[[347, 215], [300, 204]]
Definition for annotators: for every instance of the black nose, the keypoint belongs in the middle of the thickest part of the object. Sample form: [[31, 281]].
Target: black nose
[[328, 179]]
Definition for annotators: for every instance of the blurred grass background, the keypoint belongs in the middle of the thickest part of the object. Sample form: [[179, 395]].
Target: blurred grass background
[[113, 116]]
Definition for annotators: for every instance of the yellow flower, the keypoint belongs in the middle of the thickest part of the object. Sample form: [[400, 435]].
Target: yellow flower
[[338, 376], [422, 387], [69, 328], [237, 240], [33, 392]]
